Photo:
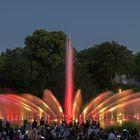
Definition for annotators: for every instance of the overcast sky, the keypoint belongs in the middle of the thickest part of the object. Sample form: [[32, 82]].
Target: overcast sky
[[87, 21]]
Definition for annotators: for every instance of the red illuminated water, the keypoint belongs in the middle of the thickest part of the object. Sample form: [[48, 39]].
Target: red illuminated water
[[107, 108], [69, 82]]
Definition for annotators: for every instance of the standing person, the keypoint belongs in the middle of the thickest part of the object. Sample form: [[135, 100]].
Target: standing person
[[7, 125], [80, 137], [37, 136], [57, 137], [42, 122], [11, 133], [17, 136], [112, 136], [30, 133], [1, 125], [66, 132], [34, 124], [49, 135], [25, 137]]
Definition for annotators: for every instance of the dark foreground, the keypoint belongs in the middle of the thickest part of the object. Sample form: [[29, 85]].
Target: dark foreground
[[43, 131]]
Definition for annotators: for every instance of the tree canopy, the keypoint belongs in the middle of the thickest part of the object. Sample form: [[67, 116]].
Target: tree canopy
[[40, 64], [105, 60], [137, 68]]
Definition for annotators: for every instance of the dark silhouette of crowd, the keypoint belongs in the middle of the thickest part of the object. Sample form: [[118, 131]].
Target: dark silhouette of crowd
[[74, 131]]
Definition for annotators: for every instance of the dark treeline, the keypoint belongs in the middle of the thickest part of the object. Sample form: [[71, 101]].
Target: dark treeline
[[40, 64]]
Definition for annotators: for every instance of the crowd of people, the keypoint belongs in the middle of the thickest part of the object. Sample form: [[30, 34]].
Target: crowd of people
[[74, 131]]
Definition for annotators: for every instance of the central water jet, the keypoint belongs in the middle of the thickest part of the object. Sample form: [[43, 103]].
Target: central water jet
[[69, 87]]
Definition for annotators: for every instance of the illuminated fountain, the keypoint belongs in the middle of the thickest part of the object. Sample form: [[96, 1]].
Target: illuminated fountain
[[69, 82], [107, 108], [26, 106]]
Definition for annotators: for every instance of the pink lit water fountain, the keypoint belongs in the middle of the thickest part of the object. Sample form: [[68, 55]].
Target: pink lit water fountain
[[107, 108]]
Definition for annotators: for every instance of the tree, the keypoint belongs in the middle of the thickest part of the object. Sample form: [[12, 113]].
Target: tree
[[46, 53], [106, 60], [12, 68], [38, 65], [137, 68]]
